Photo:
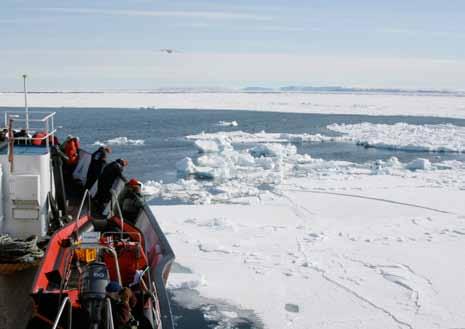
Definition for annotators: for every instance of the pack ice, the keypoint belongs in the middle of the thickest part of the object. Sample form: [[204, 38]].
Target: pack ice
[[309, 243]]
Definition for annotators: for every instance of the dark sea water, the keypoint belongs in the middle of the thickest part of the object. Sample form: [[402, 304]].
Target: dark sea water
[[163, 132]]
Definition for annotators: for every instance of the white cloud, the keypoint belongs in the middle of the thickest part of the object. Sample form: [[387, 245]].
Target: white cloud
[[213, 15], [420, 33], [278, 28], [145, 69]]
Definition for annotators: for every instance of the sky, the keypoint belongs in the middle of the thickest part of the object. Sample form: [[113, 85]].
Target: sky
[[116, 44]]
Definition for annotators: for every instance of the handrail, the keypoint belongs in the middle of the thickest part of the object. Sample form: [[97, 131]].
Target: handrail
[[115, 197], [110, 323], [43, 119], [60, 313], [86, 193], [46, 122], [52, 132], [155, 300], [129, 234]]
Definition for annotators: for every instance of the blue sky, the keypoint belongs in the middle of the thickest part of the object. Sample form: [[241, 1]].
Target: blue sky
[[115, 44]]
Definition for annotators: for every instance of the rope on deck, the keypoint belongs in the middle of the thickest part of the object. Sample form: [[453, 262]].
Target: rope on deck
[[17, 254]]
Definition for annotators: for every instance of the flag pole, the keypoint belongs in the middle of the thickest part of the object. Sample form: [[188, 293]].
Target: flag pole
[[26, 108]]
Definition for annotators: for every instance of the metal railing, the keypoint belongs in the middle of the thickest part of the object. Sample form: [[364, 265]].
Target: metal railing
[[60, 313], [128, 234], [46, 125], [110, 324], [118, 208], [156, 309], [81, 206], [89, 203]]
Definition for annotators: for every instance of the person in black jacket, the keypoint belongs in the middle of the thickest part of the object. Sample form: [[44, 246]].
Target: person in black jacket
[[132, 200], [98, 162], [109, 174]]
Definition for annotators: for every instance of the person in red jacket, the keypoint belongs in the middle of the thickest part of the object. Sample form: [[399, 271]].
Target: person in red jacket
[[71, 149]]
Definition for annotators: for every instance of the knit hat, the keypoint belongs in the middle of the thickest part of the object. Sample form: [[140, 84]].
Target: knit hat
[[134, 182], [113, 287]]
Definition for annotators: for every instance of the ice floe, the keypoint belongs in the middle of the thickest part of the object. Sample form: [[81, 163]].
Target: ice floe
[[311, 243], [403, 136], [120, 141], [226, 172], [242, 137], [228, 123], [399, 136], [327, 259], [325, 103]]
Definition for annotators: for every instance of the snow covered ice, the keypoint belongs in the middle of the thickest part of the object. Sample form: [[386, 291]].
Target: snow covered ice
[[120, 141], [327, 103], [310, 243], [403, 136], [228, 123]]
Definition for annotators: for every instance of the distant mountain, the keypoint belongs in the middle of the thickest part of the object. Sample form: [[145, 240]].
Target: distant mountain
[[310, 88], [338, 89], [254, 89], [257, 89]]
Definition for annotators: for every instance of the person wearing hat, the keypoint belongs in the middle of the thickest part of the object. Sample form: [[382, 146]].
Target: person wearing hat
[[97, 163], [133, 200], [110, 174], [71, 148], [121, 300]]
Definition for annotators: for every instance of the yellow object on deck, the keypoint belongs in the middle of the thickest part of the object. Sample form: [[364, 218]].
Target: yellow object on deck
[[86, 255]]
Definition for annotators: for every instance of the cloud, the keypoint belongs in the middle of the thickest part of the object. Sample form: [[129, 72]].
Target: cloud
[[8, 21], [212, 15], [277, 28], [420, 33], [141, 68]]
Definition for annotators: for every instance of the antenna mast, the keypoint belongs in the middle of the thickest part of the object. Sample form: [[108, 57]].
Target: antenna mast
[[26, 108]]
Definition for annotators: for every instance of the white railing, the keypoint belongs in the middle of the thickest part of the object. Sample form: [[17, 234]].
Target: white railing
[[110, 324], [45, 123], [120, 213], [89, 205], [60, 313]]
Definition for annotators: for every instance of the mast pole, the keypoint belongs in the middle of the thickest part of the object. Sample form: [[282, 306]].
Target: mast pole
[[26, 108]]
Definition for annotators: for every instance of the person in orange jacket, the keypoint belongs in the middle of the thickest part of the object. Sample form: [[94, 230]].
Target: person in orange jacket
[[71, 150]]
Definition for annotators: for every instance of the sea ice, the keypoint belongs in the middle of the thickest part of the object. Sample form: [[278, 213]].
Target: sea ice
[[403, 136], [245, 175], [327, 244], [419, 164], [325, 103], [241, 137], [228, 123], [120, 141]]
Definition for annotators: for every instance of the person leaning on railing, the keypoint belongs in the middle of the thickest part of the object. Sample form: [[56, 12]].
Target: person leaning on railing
[[110, 173], [132, 200], [97, 163], [4, 135]]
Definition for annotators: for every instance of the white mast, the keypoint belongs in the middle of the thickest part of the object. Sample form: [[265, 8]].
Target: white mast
[[25, 103]]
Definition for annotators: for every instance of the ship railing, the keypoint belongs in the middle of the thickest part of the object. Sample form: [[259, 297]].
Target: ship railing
[[45, 123], [114, 200], [128, 234], [81, 206], [65, 302], [156, 310], [110, 324]]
